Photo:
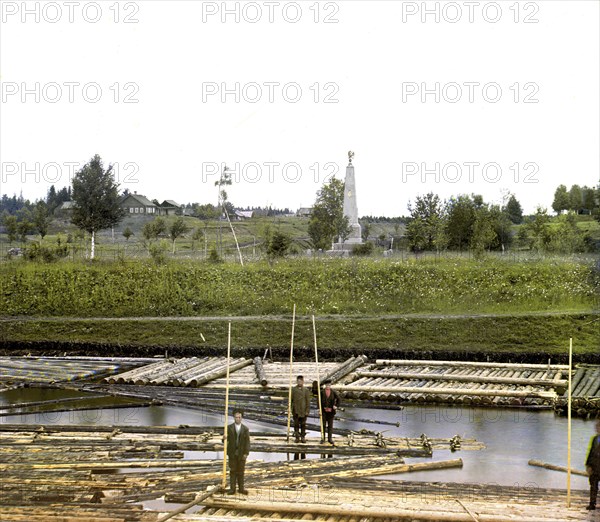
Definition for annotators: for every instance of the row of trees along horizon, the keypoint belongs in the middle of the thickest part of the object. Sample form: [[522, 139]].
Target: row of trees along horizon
[[463, 222]]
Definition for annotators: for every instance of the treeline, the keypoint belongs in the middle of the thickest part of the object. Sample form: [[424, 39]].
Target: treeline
[[467, 222], [21, 217], [207, 211], [382, 219], [581, 200], [13, 205]]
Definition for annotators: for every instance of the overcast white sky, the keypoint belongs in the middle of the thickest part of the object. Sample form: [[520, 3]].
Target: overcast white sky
[[374, 61]]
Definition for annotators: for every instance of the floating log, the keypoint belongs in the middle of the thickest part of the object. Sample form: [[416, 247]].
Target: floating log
[[77, 408], [200, 498], [132, 374], [221, 372], [260, 371], [28, 370], [188, 375], [554, 467], [180, 367], [344, 369]]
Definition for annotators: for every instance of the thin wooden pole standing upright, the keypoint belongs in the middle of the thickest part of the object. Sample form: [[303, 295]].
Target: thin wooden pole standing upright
[[291, 363], [569, 426], [318, 380], [224, 481]]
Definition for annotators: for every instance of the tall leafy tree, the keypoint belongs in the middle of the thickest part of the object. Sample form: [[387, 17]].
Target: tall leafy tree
[[567, 238], [206, 211], [426, 230], [96, 198], [502, 225], [561, 199], [327, 221], [41, 218], [484, 235], [539, 230], [514, 210], [461, 218], [575, 198], [589, 198]]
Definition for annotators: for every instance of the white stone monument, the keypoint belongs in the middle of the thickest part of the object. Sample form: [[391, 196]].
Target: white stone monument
[[350, 210]]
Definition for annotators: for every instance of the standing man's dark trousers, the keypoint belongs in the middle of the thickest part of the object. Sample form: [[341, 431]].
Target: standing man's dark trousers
[[328, 421], [594, 478], [300, 427], [237, 467]]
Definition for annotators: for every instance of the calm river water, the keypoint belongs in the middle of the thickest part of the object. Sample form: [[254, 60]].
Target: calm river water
[[511, 436]]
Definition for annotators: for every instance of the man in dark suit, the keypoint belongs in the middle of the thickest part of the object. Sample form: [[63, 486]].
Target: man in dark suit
[[330, 401], [238, 447], [300, 408]]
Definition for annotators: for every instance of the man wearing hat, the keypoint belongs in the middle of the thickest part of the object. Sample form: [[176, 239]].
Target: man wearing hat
[[330, 402]]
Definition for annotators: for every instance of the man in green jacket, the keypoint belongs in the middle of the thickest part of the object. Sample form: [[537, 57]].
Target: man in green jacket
[[592, 466], [300, 408]]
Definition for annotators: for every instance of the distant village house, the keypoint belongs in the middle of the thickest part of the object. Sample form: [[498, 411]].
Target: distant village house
[[304, 212], [138, 204]]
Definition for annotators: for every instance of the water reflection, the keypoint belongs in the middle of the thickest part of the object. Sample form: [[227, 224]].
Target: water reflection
[[512, 437]]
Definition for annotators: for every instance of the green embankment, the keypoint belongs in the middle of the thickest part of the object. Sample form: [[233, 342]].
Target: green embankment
[[524, 337], [443, 307]]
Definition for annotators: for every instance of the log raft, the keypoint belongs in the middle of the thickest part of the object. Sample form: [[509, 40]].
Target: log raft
[[585, 395], [345, 501], [23, 443], [59, 473], [396, 381], [485, 384]]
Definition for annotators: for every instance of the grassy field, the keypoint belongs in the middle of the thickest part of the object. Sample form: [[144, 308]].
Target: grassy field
[[320, 286], [425, 307]]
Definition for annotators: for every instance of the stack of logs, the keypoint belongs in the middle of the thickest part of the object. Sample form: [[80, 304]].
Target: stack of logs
[[60, 369], [475, 383], [192, 372], [585, 386]]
